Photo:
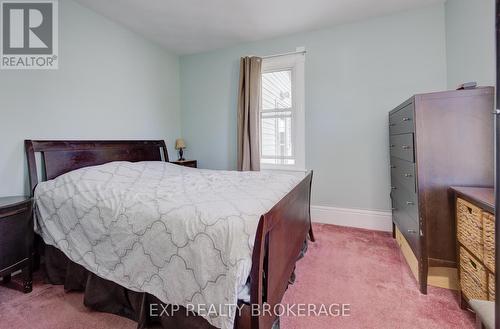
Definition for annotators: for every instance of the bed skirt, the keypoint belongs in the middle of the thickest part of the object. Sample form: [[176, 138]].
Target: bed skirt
[[106, 296]]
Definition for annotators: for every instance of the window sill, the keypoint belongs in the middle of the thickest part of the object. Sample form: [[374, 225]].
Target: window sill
[[296, 171]]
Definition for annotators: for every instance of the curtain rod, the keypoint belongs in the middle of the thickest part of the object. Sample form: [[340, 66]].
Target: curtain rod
[[284, 54]]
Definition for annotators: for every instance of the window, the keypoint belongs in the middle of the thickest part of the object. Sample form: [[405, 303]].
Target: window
[[282, 113]]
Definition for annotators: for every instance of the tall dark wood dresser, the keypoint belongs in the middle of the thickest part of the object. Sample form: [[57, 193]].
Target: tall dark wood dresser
[[437, 140]]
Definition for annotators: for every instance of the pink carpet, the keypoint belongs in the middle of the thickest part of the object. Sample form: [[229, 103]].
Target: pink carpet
[[345, 266]]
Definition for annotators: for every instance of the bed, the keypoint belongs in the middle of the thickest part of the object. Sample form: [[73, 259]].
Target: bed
[[276, 237]]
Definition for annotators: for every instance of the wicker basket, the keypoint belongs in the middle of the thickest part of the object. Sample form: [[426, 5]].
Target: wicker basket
[[489, 241], [491, 287], [470, 227], [472, 277]]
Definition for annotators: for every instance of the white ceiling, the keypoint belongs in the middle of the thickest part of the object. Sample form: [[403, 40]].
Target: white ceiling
[[191, 26]]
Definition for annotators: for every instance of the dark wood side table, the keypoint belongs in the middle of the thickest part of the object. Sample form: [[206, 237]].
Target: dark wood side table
[[186, 163], [16, 239]]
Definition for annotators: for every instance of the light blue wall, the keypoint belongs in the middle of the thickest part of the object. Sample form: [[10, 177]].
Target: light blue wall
[[111, 84], [470, 41], [355, 74]]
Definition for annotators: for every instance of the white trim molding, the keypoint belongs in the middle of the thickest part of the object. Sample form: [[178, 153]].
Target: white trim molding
[[377, 220]]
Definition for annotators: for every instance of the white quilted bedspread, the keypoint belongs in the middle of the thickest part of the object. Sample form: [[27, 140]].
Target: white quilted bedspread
[[181, 234]]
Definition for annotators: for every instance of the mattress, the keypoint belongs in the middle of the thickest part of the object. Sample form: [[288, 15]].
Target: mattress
[[184, 235]]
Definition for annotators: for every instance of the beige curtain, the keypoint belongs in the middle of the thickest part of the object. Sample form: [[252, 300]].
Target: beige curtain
[[249, 93]]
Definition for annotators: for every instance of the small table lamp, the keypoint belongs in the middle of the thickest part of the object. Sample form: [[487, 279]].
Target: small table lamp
[[180, 145]]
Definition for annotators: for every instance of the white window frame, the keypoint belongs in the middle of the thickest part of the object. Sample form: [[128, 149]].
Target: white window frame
[[295, 63]]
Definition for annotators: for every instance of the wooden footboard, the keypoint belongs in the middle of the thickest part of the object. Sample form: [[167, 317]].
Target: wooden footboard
[[278, 243]]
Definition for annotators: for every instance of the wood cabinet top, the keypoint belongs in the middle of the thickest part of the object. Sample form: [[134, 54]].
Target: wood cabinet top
[[487, 90], [482, 196]]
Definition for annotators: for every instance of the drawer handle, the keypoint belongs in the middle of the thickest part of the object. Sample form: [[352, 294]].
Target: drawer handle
[[392, 145], [473, 264], [394, 208], [406, 147], [392, 166], [406, 119], [411, 231], [392, 124], [408, 175], [394, 188], [410, 203]]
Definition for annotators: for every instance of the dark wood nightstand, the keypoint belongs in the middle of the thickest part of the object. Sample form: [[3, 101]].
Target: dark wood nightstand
[[186, 163], [16, 239]]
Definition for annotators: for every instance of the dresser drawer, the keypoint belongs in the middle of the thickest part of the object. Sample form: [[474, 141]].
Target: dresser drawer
[[401, 146], [405, 200], [401, 121], [404, 173], [408, 227]]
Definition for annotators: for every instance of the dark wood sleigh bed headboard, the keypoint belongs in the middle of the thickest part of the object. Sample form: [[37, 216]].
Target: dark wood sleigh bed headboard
[[60, 157]]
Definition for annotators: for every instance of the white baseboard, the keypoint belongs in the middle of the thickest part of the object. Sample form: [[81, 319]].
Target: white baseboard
[[368, 219]]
